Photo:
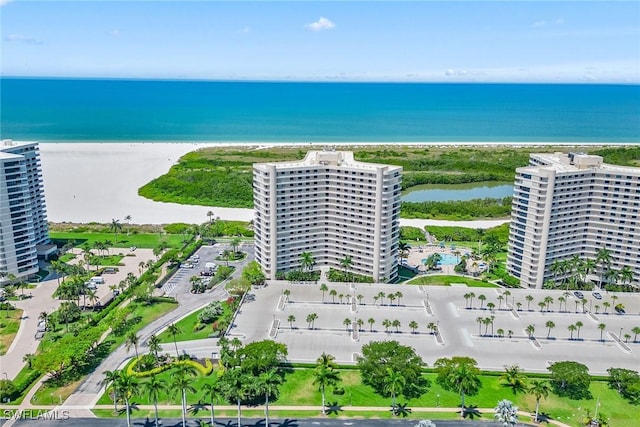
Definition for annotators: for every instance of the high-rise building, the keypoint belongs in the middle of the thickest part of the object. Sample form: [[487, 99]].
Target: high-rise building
[[567, 205], [24, 232], [330, 206]]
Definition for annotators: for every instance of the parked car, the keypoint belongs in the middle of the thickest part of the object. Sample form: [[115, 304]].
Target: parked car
[[578, 294], [597, 295]]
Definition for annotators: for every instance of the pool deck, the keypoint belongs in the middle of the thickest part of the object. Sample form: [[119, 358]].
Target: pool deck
[[419, 252]]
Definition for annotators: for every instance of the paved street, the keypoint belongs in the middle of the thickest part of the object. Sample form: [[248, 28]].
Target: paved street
[[89, 391]]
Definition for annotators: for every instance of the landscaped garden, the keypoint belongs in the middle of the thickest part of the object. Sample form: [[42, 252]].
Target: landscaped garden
[[443, 280], [9, 324], [207, 322]]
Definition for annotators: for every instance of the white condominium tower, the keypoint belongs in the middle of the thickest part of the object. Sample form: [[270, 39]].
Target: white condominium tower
[[572, 204], [331, 206], [23, 216]]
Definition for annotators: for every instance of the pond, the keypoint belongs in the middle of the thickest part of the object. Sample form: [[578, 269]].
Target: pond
[[447, 192]]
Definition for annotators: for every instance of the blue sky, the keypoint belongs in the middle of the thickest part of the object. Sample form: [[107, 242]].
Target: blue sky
[[563, 41]]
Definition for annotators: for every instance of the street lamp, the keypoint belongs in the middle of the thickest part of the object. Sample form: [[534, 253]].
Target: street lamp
[[620, 335]]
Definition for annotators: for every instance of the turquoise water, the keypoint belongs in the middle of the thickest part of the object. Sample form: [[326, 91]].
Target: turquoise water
[[142, 110], [446, 259], [443, 192]]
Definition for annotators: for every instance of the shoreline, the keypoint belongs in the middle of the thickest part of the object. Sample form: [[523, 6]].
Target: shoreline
[[98, 181]]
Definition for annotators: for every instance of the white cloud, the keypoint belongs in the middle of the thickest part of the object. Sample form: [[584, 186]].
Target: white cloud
[[539, 24], [245, 30], [3, 2], [321, 25], [21, 39], [545, 23], [115, 32]]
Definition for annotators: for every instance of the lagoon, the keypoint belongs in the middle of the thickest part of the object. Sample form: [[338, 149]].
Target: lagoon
[[449, 192]]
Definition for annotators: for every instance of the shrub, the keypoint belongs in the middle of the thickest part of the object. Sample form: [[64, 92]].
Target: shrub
[[210, 313]]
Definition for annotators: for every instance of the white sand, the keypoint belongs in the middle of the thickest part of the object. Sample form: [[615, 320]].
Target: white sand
[[87, 182]]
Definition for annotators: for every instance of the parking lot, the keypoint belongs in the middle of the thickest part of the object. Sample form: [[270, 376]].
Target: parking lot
[[461, 333]]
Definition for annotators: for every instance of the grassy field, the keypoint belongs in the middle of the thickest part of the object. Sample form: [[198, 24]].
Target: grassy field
[[124, 241], [8, 328], [187, 326], [298, 390], [447, 280]]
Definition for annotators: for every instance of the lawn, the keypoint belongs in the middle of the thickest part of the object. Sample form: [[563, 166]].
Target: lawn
[[8, 328], [187, 328], [442, 280], [139, 240], [107, 260], [299, 390]]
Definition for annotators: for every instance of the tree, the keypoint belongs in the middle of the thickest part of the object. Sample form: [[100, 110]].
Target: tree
[[307, 261], [601, 328], [572, 328], [506, 413], [393, 384], [540, 390], [333, 294], [514, 378], [550, 325], [636, 332], [579, 325], [346, 322], [127, 386], [311, 319], [387, 324], [181, 382], [132, 341], [111, 379], [235, 385], [482, 298], [399, 295], [570, 379], [174, 330], [529, 298], [154, 345], [153, 389], [603, 257], [259, 357], [253, 274], [378, 356], [396, 324], [268, 383], [291, 319], [115, 227], [530, 331], [626, 382], [211, 390], [323, 289], [210, 215], [459, 374], [28, 358], [325, 375], [413, 325], [371, 321], [346, 263]]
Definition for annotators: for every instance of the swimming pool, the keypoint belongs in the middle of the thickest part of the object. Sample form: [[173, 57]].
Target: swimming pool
[[446, 259]]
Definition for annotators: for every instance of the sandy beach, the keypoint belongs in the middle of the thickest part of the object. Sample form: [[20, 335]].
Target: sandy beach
[[98, 182]]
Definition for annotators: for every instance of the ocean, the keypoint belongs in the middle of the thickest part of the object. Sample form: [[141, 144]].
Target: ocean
[[223, 111]]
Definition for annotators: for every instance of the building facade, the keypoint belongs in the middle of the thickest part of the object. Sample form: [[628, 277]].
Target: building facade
[[567, 205], [23, 216], [330, 206]]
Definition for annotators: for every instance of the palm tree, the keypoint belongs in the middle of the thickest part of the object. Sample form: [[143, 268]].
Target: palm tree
[[153, 389], [603, 257], [111, 378], [323, 288], [347, 322], [548, 301], [306, 261], [346, 263], [482, 299], [174, 330], [626, 275], [602, 327], [291, 319], [480, 321], [333, 294], [572, 328], [413, 325], [540, 390], [211, 390], [394, 383], [529, 298], [268, 382], [391, 298], [235, 244], [465, 377], [467, 296], [371, 321], [154, 345], [181, 382], [381, 295], [115, 227], [324, 376], [530, 330], [396, 324], [606, 306], [579, 325], [360, 322], [128, 386], [399, 295], [132, 341], [500, 299], [210, 215], [636, 332], [311, 320], [491, 306], [514, 378], [386, 323], [562, 300], [549, 325], [236, 384]]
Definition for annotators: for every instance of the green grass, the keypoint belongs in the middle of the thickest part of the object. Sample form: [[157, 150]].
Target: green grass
[[67, 257], [447, 280], [187, 325], [107, 260], [298, 390], [8, 328], [124, 241]]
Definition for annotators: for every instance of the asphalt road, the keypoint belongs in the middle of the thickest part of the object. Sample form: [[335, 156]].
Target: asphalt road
[[227, 422]]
